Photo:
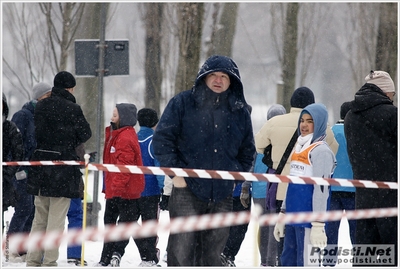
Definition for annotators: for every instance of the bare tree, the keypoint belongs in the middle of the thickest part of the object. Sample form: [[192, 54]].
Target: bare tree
[[153, 24], [190, 21], [386, 48], [223, 29]]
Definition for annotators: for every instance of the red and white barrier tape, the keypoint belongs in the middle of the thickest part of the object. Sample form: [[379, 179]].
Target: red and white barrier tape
[[219, 174], [41, 240]]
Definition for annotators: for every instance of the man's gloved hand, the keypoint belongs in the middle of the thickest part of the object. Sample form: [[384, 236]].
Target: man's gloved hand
[[92, 156], [164, 202], [317, 236], [245, 197], [279, 229]]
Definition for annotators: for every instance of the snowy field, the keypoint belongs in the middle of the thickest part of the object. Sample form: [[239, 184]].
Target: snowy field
[[246, 258]]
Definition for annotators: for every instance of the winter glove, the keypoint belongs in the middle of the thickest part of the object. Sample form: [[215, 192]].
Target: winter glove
[[164, 202], [317, 236], [279, 230], [92, 156], [245, 197]]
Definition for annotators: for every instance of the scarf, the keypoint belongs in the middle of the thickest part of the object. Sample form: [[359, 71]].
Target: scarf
[[303, 142]]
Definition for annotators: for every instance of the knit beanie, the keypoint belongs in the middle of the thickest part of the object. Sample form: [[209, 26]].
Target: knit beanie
[[147, 117], [64, 80], [381, 79], [302, 97], [275, 110], [40, 89]]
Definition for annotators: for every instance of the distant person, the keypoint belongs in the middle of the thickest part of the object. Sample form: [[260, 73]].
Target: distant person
[[281, 133], [60, 127], [342, 198], [311, 157], [206, 127], [122, 190], [13, 150], [150, 197], [266, 242], [371, 130], [21, 221]]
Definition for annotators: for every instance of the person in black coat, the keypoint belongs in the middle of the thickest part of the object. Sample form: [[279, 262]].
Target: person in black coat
[[371, 132], [13, 150], [60, 127], [206, 127]]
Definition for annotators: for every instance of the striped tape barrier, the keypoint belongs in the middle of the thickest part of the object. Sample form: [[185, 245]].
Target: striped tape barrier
[[219, 174], [41, 240]]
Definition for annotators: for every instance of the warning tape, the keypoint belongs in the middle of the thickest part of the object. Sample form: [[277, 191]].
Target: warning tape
[[219, 174], [42, 240]]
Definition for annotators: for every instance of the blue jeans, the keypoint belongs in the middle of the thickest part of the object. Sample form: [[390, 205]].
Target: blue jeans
[[75, 216], [198, 248]]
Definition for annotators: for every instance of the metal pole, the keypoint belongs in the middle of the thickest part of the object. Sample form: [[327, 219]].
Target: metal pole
[[100, 71]]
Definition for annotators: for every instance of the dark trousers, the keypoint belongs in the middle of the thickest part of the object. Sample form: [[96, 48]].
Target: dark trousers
[[236, 233], [280, 243], [149, 210], [122, 210], [339, 200], [375, 231], [21, 221], [198, 248]]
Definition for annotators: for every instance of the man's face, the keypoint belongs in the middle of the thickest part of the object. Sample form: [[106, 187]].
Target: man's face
[[306, 124], [218, 81]]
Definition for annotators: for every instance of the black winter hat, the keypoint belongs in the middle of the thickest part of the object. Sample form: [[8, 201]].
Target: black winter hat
[[302, 97], [147, 117], [64, 80]]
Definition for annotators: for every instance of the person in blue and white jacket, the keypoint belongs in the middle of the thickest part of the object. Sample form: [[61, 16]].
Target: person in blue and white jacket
[[311, 157], [150, 197]]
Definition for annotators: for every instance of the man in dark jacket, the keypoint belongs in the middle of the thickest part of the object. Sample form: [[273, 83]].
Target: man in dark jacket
[[371, 132], [13, 150], [21, 221], [207, 127], [60, 127]]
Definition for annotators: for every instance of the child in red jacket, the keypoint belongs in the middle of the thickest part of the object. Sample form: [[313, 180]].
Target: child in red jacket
[[122, 190]]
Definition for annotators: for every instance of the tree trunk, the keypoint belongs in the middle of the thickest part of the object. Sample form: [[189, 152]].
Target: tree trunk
[[386, 48], [153, 72], [190, 21], [87, 90], [289, 53], [226, 34]]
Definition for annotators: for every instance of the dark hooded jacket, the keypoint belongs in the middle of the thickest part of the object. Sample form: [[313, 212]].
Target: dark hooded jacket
[[121, 147], [13, 150], [371, 132], [206, 130], [60, 127]]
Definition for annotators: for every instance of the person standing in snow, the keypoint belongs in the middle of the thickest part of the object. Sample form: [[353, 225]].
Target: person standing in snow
[[60, 127], [371, 131], [21, 221], [311, 157], [150, 197], [122, 190], [13, 150], [206, 127], [342, 198], [278, 133]]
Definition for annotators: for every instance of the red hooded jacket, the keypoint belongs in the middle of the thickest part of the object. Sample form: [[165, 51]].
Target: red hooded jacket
[[122, 147]]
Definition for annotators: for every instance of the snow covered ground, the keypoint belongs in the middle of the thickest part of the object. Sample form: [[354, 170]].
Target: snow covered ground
[[246, 258]]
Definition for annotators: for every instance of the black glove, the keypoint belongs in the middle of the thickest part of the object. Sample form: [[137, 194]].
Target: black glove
[[164, 202], [92, 156]]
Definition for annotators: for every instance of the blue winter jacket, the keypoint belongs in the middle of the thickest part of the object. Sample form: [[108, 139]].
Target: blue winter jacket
[[153, 183], [201, 129], [25, 123]]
